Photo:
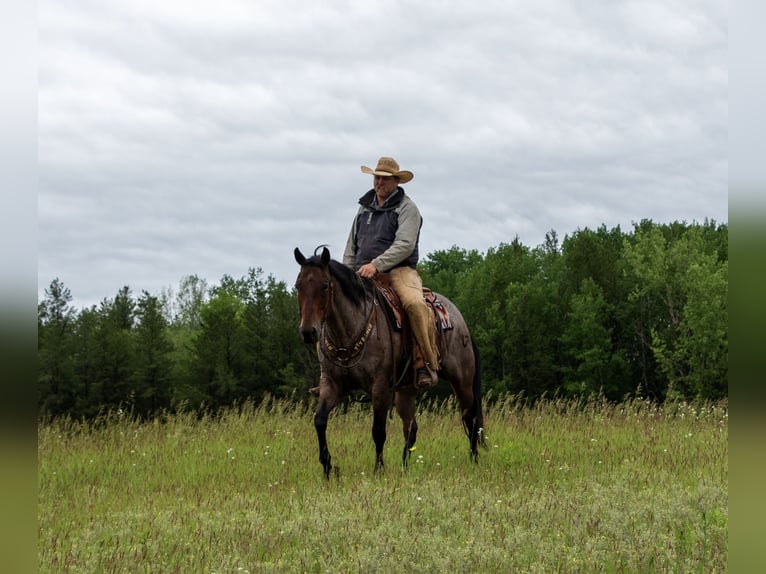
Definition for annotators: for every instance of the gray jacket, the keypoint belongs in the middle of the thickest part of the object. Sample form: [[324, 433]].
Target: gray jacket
[[385, 236]]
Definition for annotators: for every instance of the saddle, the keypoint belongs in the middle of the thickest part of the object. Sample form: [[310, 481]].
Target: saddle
[[397, 318]]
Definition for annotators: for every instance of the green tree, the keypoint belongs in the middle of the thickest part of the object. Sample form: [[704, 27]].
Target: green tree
[[603, 311], [595, 293], [593, 365], [481, 296], [442, 271], [531, 344], [278, 361], [698, 362], [191, 296], [151, 381], [185, 313], [595, 256], [114, 351], [680, 285], [219, 349], [55, 324], [87, 362]]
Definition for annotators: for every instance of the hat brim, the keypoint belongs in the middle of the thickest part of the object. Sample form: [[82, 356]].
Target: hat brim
[[404, 175]]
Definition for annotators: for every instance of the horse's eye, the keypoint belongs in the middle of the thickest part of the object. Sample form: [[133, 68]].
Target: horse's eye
[[325, 286]]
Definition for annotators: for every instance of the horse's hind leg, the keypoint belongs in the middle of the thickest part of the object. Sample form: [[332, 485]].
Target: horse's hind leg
[[379, 437], [471, 414], [474, 429], [379, 411], [405, 406]]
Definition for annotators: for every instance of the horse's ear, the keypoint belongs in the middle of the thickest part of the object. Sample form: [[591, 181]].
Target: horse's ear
[[299, 257], [325, 256]]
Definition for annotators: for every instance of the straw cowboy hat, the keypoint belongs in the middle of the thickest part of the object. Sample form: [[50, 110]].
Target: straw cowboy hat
[[387, 166]]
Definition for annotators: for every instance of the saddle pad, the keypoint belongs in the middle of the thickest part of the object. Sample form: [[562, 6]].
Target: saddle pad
[[441, 314], [390, 302], [395, 312]]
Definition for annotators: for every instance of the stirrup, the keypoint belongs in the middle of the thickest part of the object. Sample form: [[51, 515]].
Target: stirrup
[[426, 378]]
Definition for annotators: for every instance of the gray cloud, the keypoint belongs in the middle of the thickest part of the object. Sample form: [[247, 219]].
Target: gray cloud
[[176, 141]]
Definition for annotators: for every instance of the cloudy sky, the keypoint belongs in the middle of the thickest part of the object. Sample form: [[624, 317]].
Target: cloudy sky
[[179, 138]]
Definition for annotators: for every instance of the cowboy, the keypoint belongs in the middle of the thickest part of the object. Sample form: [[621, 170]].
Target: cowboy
[[384, 239]]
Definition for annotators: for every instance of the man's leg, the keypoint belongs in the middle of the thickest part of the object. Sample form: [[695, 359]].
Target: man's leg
[[407, 284]]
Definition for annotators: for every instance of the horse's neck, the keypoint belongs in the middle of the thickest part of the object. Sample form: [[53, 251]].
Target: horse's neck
[[346, 318]]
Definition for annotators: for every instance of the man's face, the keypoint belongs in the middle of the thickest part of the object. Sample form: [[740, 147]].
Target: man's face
[[384, 186]]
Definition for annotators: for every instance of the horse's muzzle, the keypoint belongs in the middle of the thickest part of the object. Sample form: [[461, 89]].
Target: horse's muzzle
[[310, 335]]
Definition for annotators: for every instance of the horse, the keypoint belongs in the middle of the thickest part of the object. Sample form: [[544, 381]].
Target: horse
[[358, 349]]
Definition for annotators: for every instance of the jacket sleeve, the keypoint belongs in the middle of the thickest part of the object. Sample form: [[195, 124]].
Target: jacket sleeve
[[406, 238], [349, 254]]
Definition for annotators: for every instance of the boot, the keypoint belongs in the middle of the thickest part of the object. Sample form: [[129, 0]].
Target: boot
[[425, 376]]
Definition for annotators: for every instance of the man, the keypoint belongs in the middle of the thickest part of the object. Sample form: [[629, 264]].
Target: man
[[384, 239]]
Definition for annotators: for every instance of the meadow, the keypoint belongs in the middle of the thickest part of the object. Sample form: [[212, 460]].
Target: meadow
[[563, 486]]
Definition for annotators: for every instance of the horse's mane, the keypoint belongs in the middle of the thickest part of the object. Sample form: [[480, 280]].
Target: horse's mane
[[353, 287]]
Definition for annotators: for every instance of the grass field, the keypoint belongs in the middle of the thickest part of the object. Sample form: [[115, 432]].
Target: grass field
[[562, 487]]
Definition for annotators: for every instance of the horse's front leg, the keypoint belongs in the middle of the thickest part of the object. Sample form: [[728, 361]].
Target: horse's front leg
[[320, 423], [405, 406], [327, 401]]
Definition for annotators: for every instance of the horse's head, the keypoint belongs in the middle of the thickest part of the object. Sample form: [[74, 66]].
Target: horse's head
[[314, 289]]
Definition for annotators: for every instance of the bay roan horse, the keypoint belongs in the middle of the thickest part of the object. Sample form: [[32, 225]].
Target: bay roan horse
[[359, 349]]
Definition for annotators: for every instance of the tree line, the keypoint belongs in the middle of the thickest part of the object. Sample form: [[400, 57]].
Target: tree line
[[601, 312]]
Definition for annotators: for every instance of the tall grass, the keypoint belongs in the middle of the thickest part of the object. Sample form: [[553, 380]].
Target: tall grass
[[563, 487]]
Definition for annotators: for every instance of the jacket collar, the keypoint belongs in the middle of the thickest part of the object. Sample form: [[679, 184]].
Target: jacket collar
[[368, 200]]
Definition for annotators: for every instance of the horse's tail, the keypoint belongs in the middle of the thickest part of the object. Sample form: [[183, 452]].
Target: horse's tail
[[478, 414]]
